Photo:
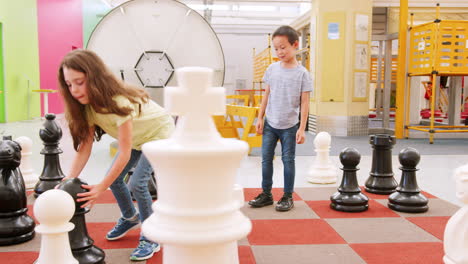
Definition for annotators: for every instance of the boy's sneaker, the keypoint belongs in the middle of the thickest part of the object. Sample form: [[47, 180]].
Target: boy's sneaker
[[261, 200], [122, 227], [285, 204], [145, 250]]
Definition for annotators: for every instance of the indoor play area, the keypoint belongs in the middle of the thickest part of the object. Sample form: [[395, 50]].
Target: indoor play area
[[377, 171]]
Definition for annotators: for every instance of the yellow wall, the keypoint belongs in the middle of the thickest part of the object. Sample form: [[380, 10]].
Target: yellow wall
[[333, 69]]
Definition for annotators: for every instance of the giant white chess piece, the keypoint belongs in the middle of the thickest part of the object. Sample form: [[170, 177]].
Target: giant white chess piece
[[196, 216], [54, 209], [456, 230], [29, 176], [322, 171]]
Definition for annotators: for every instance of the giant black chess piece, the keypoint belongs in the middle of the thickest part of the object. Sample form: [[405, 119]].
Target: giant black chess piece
[[381, 180], [408, 197], [52, 172], [82, 245], [15, 225], [349, 197]]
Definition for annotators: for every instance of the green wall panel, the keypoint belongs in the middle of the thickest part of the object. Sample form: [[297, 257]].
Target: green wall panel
[[2, 89], [93, 12], [20, 58]]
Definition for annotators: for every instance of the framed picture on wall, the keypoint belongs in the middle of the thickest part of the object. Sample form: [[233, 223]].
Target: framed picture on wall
[[361, 57], [361, 79], [362, 27]]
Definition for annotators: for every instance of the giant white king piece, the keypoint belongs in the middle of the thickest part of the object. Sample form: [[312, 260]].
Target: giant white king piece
[[197, 216]]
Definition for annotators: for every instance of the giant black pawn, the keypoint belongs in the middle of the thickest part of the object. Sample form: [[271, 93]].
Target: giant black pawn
[[349, 197], [381, 180], [81, 244], [15, 225], [52, 172], [408, 197]]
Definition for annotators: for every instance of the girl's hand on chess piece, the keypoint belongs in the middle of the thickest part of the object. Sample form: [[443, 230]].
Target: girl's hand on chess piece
[[93, 193]]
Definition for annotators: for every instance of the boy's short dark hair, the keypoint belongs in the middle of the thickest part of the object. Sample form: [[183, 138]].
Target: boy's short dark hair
[[287, 31]]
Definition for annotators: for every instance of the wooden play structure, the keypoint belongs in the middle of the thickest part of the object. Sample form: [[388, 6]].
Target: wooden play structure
[[237, 98], [257, 100], [239, 123]]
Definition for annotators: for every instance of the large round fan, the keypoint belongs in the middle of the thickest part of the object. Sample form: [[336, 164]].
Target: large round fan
[[143, 41]]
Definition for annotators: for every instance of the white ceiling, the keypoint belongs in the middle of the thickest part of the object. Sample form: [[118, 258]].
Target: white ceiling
[[243, 17], [249, 17], [264, 16]]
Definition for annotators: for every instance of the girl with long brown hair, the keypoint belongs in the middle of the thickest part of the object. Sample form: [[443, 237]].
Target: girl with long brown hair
[[96, 102]]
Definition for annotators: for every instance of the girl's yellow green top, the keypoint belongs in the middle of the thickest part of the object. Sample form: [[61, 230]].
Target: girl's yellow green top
[[150, 122]]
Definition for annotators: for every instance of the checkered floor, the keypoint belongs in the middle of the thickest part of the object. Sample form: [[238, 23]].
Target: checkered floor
[[310, 233]]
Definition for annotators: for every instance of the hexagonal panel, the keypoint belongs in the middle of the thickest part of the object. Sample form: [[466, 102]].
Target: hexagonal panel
[[154, 69]]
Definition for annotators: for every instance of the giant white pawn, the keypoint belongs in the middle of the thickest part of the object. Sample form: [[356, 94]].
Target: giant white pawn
[[29, 176], [322, 171], [54, 209], [456, 230]]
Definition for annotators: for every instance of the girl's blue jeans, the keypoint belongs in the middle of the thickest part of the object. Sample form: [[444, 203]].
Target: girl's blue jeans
[[138, 185], [270, 138]]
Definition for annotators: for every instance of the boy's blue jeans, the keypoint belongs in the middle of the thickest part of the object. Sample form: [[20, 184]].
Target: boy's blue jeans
[[270, 138], [138, 186]]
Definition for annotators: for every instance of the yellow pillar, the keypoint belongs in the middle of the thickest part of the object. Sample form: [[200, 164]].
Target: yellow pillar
[[401, 70], [340, 66]]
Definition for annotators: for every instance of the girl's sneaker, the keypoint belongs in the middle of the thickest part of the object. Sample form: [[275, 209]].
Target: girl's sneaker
[[122, 227], [145, 250]]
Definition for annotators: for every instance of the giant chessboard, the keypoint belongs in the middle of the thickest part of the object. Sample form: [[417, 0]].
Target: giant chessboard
[[310, 233]]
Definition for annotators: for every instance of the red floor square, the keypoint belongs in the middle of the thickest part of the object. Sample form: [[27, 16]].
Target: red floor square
[[293, 232], [401, 253], [246, 255], [18, 257], [428, 195], [251, 193], [98, 231], [322, 209], [434, 225]]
